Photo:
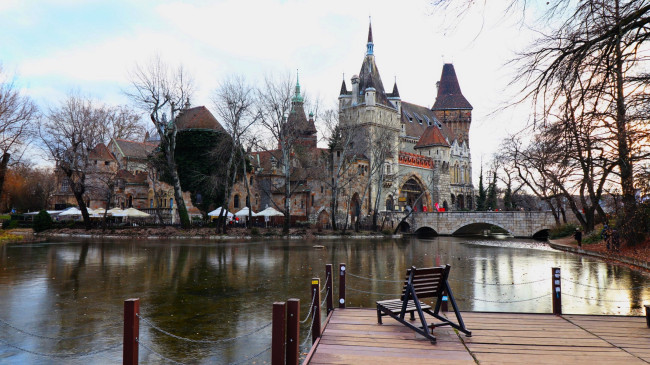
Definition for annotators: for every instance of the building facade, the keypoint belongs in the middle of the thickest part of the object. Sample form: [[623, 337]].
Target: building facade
[[428, 162]]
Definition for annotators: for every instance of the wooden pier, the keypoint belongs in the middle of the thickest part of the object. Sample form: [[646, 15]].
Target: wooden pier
[[352, 336]]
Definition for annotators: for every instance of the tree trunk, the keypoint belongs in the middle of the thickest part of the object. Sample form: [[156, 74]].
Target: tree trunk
[[3, 169], [624, 160], [178, 192]]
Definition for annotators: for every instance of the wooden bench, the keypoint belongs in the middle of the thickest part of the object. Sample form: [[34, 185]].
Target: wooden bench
[[423, 283]]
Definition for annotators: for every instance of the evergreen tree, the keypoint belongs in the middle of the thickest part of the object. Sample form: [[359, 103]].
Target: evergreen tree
[[491, 201], [507, 199], [480, 201]]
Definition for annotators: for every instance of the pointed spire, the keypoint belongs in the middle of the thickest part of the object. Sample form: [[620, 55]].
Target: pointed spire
[[395, 92], [344, 89], [297, 98], [370, 45]]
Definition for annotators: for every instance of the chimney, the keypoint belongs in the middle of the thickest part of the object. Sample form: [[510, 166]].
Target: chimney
[[355, 90]]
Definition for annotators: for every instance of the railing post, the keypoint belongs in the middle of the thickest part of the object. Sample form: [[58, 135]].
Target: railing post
[[328, 284], [556, 292], [278, 334], [315, 314], [293, 331], [342, 286], [647, 315], [131, 331]]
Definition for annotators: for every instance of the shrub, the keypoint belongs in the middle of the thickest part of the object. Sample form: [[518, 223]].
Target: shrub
[[42, 221], [387, 232], [592, 237], [563, 230], [255, 231], [10, 224]]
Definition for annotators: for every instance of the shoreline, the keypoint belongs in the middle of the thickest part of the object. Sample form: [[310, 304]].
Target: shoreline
[[567, 244], [240, 234]]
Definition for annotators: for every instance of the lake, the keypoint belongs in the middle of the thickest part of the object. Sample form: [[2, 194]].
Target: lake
[[66, 297]]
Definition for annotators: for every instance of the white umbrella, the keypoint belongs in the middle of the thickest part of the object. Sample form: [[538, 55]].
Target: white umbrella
[[216, 212], [70, 211], [132, 212], [269, 212], [244, 213], [98, 213], [114, 211]]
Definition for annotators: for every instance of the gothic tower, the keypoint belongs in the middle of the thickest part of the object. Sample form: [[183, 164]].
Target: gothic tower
[[450, 106]]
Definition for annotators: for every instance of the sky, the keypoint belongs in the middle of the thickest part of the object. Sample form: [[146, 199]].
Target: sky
[[54, 47]]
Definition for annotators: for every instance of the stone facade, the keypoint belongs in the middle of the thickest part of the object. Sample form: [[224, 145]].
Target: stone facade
[[430, 154]]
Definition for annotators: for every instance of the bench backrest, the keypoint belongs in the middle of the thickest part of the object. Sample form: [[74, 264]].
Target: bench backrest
[[427, 282]]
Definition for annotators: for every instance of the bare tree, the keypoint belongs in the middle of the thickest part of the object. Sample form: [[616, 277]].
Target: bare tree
[[17, 116], [123, 123], [591, 69], [341, 156], [156, 88], [234, 101], [274, 104], [69, 133]]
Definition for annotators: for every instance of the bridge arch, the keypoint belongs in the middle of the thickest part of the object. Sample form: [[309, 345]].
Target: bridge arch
[[425, 231], [473, 227]]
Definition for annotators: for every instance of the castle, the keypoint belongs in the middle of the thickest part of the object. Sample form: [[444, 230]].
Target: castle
[[408, 156], [425, 157], [429, 147]]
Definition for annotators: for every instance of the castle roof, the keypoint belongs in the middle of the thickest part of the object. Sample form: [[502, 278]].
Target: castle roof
[[432, 136], [416, 119], [197, 118], [101, 153], [344, 89], [298, 120], [395, 93], [133, 149], [449, 94], [369, 76]]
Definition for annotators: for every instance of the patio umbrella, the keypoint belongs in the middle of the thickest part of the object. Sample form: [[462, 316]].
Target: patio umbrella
[[269, 212], [244, 213], [132, 213], [216, 212], [114, 211], [70, 211]]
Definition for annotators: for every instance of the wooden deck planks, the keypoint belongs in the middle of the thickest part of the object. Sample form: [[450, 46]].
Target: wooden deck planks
[[353, 336]]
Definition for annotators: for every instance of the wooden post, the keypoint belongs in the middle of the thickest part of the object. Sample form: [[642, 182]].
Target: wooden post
[[315, 309], [131, 331], [647, 315], [278, 334], [556, 292], [328, 284], [342, 286], [293, 331]]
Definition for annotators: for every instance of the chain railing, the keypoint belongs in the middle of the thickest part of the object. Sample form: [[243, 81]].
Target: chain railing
[[153, 326]]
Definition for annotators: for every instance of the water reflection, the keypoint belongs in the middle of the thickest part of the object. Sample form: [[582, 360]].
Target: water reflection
[[215, 291]]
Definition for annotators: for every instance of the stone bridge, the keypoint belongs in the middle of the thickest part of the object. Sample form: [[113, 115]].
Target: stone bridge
[[517, 223]]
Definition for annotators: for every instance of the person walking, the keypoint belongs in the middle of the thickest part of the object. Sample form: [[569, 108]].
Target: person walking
[[578, 237]]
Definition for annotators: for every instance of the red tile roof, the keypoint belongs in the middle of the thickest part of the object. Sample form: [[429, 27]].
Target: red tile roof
[[197, 118], [432, 136], [101, 153]]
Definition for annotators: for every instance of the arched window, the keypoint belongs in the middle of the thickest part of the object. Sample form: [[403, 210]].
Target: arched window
[[236, 201], [389, 203], [171, 203]]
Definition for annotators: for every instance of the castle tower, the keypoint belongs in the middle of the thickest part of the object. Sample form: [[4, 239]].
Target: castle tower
[[303, 129], [450, 106]]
